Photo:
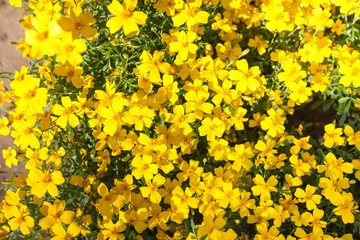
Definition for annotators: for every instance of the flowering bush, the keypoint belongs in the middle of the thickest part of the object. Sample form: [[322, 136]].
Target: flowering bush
[[172, 119]]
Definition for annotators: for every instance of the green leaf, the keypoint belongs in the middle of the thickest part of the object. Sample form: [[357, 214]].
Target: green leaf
[[192, 224], [343, 118], [231, 110], [344, 99]]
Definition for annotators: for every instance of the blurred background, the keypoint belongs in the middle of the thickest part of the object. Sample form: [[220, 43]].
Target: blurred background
[[10, 61]]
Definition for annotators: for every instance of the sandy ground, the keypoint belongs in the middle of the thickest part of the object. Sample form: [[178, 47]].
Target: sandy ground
[[10, 61]]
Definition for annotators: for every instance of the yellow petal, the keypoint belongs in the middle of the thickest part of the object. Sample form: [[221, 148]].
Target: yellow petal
[[62, 121], [73, 120], [139, 17], [114, 24], [38, 190], [116, 8], [57, 177], [67, 217], [131, 28], [53, 190]]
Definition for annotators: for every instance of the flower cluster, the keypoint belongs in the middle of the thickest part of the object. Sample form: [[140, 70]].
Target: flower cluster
[[197, 119]]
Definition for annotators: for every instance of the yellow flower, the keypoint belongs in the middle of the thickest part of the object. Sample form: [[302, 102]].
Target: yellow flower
[[292, 74], [36, 156], [333, 184], [42, 182], [224, 93], [227, 50], [169, 90], [266, 149], [111, 230], [241, 158], [274, 122], [113, 116], [184, 199], [4, 230], [19, 181], [219, 149], [308, 197], [43, 36], [10, 157], [110, 202], [278, 19], [221, 23], [263, 188], [55, 215], [21, 219], [125, 17], [332, 136], [228, 235], [228, 195], [356, 164], [353, 138], [196, 97], [210, 225], [191, 15], [258, 218], [302, 143], [26, 133], [300, 93], [140, 117], [301, 234], [345, 206], [31, 97], [319, 18], [72, 231], [245, 77], [258, 118], [168, 6], [15, 3], [152, 187], [70, 49], [281, 215], [300, 219], [183, 44], [153, 65], [66, 113], [72, 73], [245, 203], [78, 23], [136, 218], [338, 27], [11, 204], [319, 82], [335, 166], [164, 160], [180, 120], [300, 167], [315, 221], [351, 74], [143, 167], [20, 77], [265, 233], [211, 128], [189, 170], [259, 44], [4, 130]]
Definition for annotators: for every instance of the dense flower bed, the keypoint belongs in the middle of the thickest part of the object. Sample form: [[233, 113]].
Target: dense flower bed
[[172, 119]]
